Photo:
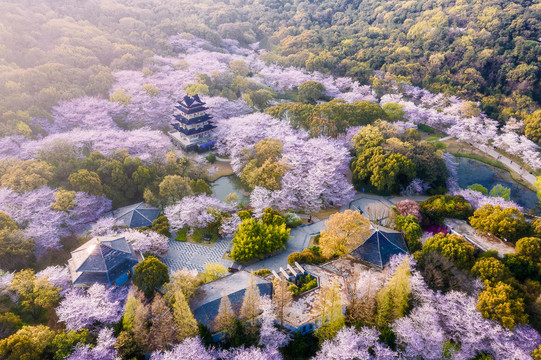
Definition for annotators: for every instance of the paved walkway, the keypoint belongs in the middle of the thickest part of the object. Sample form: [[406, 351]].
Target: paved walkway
[[193, 256], [507, 162]]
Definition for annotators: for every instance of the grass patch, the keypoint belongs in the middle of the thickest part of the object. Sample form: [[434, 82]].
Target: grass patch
[[425, 128], [483, 159]]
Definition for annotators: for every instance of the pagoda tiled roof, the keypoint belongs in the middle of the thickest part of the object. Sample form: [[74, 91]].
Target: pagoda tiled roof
[[101, 260], [191, 101], [194, 120], [137, 215], [380, 247], [193, 131]]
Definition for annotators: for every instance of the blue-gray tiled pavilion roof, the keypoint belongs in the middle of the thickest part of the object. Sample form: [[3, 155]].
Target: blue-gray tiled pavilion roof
[[380, 247], [206, 302], [101, 260], [137, 215]]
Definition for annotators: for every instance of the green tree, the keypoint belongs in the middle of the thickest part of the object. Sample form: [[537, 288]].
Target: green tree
[[64, 342], [129, 311], [452, 247], [328, 305], [194, 89], [501, 303], [490, 269], [345, 232], [87, 181], [508, 223], [161, 226], [310, 91], [200, 187], [29, 343], [258, 99], [185, 323], [35, 295], [439, 207], [150, 274], [409, 225], [393, 111], [392, 300], [500, 191], [173, 188], [478, 187], [254, 238], [151, 89]]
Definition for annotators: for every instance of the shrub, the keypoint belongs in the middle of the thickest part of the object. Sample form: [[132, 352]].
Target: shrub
[[304, 283], [439, 207], [161, 226], [262, 272], [211, 158], [292, 220], [311, 255], [181, 235]]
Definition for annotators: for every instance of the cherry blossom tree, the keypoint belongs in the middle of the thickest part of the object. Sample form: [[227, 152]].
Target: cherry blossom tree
[[91, 308], [147, 241], [478, 200], [188, 349], [104, 349], [349, 344], [106, 226], [84, 113], [193, 211], [58, 276]]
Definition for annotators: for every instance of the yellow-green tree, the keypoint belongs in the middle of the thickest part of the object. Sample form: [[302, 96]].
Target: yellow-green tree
[[264, 169], [249, 310], [213, 271], [254, 238], [162, 328], [185, 323], [501, 303], [533, 126], [328, 304], [508, 223], [87, 181], [310, 91], [491, 270], [225, 318], [452, 247], [64, 200], [239, 67], [529, 248], [173, 188], [281, 297], [345, 232], [180, 281], [29, 343], [120, 96], [26, 175], [392, 300], [35, 295]]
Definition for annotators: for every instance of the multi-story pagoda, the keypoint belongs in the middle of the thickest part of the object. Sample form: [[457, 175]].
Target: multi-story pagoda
[[193, 125]]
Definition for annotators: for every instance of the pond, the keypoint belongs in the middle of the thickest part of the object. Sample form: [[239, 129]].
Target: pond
[[472, 171], [227, 185]]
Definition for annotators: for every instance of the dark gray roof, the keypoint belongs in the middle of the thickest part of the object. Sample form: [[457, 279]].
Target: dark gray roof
[[137, 215], [101, 260], [380, 247], [206, 303]]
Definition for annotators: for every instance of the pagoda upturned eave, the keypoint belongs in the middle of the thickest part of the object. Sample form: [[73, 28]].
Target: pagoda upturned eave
[[191, 110], [189, 132], [194, 120]]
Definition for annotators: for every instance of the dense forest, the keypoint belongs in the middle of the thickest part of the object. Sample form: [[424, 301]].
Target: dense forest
[[317, 104], [487, 52]]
